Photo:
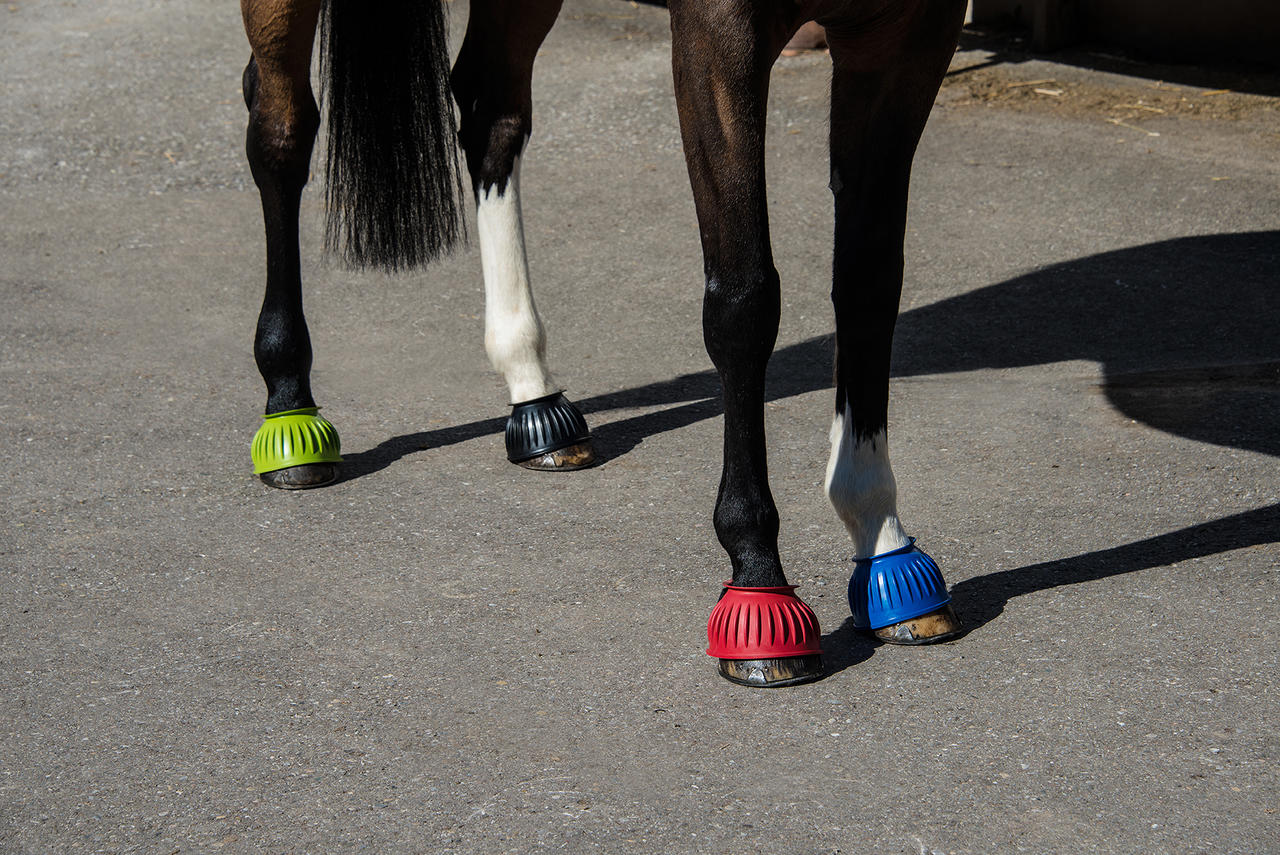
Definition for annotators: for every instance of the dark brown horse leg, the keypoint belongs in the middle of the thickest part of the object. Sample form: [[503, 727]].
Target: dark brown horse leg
[[283, 120], [721, 57], [884, 82], [491, 83]]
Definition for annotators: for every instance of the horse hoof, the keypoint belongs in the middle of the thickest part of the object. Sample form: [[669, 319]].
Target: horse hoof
[[549, 434], [296, 449], [765, 637], [303, 477], [577, 456], [772, 673], [895, 587], [936, 626]]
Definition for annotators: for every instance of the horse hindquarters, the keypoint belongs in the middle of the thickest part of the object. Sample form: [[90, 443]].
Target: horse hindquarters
[[883, 86]]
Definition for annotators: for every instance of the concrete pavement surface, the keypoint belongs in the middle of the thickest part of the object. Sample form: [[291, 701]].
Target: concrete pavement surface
[[443, 653]]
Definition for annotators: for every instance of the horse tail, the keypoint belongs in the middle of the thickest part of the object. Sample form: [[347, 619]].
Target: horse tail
[[393, 184]]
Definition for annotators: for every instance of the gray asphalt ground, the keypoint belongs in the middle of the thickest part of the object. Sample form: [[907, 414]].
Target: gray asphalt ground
[[446, 654]]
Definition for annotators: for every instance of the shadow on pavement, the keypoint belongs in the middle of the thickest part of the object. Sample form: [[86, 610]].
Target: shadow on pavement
[[390, 450], [981, 599], [793, 370], [1186, 331], [846, 647]]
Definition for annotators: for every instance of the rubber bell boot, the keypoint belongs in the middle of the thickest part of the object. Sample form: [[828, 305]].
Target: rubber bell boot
[[895, 587], [294, 438], [765, 637], [544, 425]]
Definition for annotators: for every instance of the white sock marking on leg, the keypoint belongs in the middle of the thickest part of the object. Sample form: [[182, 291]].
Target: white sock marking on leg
[[513, 334], [861, 488]]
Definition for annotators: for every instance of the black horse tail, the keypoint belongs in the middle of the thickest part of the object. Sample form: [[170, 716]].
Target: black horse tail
[[394, 187]]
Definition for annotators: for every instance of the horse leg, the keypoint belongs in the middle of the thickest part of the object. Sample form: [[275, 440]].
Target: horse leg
[[883, 85], [721, 58], [295, 448], [492, 85]]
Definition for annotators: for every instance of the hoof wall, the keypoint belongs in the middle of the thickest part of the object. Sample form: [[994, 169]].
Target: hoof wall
[[580, 455], [303, 477], [772, 673], [936, 626]]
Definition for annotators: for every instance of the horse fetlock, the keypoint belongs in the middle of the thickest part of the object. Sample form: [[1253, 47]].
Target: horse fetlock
[[519, 355], [861, 487], [755, 559], [868, 509], [515, 338], [739, 515]]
